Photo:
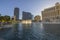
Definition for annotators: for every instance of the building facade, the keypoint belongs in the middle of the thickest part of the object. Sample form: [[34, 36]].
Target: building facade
[[26, 16], [0, 14], [51, 14], [16, 13]]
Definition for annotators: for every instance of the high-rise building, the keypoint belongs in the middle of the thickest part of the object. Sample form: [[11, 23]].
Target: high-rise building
[[51, 14], [26, 16], [0, 14], [16, 13]]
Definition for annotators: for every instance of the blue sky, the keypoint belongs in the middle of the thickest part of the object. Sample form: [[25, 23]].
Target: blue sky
[[33, 6]]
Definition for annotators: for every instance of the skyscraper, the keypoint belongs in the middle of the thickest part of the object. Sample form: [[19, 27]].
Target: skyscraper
[[26, 16], [16, 13], [0, 14]]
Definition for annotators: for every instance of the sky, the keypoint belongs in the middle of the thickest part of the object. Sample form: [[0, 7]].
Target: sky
[[33, 6]]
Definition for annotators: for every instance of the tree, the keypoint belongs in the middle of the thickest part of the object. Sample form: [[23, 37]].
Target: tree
[[7, 18], [1, 18], [4, 18], [37, 18]]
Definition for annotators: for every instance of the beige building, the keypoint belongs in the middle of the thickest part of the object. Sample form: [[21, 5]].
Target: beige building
[[51, 14]]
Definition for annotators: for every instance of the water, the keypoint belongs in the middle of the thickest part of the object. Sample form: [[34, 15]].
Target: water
[[34, 31]]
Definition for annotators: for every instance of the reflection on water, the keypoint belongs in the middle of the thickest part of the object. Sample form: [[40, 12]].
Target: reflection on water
[[34, 31], [52, 30], [26, 31]]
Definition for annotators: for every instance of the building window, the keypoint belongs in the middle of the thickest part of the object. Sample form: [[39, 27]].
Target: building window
[[57, 7]]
